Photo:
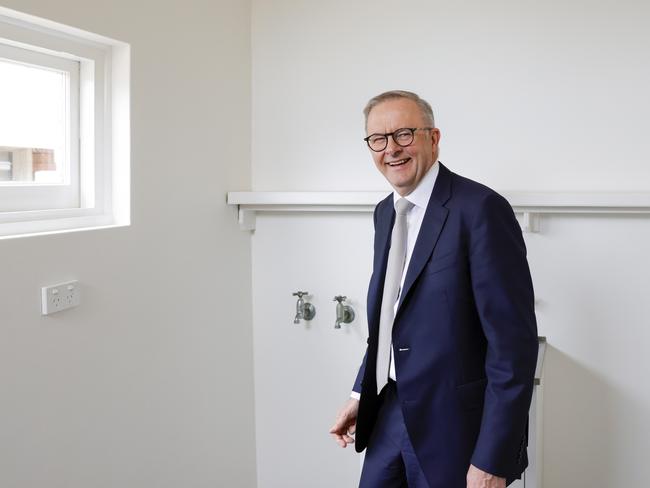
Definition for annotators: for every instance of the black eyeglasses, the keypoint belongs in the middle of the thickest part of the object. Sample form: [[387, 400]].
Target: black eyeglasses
[[402, 137]]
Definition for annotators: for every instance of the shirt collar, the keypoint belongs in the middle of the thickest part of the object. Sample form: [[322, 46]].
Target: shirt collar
[[420, 196]]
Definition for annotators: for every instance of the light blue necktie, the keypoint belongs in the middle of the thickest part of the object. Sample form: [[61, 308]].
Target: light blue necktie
[[394, 270]]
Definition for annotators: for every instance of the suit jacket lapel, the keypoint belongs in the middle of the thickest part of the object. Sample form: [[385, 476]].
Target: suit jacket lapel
[[434, 220], [383, 230]]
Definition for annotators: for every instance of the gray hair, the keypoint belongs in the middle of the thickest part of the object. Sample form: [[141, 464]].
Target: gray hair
[[424, 106]]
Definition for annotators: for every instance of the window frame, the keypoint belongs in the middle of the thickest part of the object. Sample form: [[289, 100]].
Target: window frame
[[103, 126]]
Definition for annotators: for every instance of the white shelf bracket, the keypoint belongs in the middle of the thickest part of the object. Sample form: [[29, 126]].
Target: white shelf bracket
[[530, 222], [246, 218]]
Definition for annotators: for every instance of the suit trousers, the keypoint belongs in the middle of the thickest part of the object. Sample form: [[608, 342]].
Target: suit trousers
[[390, 460]]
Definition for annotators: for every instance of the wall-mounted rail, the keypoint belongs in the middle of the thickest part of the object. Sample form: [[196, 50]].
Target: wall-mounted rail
[[529, 205]]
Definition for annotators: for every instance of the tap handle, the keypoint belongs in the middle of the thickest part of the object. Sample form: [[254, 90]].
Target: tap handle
[[340, 298], [300, 294]]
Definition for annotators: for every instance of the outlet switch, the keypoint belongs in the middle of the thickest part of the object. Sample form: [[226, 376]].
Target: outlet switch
[[59, 297]]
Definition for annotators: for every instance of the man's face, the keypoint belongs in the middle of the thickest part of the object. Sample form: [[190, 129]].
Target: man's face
[[403, 167]]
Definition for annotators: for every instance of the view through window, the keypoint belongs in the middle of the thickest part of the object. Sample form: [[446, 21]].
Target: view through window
[[34, 124]]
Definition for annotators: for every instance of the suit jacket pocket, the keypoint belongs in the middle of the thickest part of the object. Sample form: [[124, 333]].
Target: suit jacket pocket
[[439, 263], [472, 394]]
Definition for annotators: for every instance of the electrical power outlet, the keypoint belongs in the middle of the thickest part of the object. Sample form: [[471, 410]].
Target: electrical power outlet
[[59, 297]]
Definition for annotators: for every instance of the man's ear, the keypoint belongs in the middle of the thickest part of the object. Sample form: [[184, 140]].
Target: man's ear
[[435, 136], [435, 139]]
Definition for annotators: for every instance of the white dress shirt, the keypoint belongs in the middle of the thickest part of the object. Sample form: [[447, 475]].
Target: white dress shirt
[[420, 199]]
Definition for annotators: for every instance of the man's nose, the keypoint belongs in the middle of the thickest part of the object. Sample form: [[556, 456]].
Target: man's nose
[[392, 147]]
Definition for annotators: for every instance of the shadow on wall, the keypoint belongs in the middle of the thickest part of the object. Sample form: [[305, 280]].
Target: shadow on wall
[[581, 427]]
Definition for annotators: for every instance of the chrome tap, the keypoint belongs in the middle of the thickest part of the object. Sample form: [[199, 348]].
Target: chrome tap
[[344, 313], [304, 310]]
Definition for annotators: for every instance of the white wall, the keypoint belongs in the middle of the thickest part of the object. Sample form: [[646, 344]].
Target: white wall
[[546, 96], [590, 274], [304, 371], [528, 95], [149, 382]]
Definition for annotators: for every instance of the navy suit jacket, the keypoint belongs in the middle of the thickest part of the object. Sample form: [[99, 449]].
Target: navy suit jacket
[[464, 335]]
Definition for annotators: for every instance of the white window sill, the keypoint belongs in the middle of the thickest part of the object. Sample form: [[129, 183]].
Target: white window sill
[[46, 222]]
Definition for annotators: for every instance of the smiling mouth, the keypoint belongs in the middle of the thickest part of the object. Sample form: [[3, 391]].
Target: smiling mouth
[[399, 162]]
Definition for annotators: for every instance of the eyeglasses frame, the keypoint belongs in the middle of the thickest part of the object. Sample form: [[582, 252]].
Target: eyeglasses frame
[[392, 134]]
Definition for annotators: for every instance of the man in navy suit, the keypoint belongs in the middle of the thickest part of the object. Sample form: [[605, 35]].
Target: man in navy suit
[[463, 343]]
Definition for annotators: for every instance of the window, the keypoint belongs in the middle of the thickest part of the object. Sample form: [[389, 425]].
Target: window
[[64, 127]]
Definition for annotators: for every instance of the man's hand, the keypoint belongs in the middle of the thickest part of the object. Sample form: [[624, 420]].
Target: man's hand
[[477, 478], [346, 423]]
